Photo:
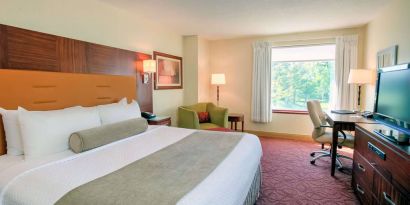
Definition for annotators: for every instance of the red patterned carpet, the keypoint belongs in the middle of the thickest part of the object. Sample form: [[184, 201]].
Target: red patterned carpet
[[289, 178]]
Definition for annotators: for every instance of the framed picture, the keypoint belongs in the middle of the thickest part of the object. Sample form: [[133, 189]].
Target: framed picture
[[169, 71], [387, 57]]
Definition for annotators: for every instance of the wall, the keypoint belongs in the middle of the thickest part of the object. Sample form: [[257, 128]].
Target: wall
[[391, 27], [190, 55], [234, 58], [196, 69], [97, 22], [204, 70]]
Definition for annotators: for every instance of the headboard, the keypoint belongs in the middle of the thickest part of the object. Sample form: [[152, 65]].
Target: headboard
[[38, 90]]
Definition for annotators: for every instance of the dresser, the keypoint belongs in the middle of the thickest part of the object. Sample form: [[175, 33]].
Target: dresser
[[381, 168]]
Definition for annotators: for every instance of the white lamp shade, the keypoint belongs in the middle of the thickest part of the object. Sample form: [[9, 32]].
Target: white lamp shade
[[218, 79], [149, 66], [361, 76]]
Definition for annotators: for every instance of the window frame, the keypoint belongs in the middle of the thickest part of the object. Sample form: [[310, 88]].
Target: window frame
[[298, 112]]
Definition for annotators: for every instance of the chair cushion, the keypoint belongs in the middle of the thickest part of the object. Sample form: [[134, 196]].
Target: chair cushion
[[203, 117], [205, 126], [327, 138]]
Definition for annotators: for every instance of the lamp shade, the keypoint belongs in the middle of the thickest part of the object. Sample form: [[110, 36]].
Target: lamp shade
[[149, 66], [361, 76], [218, 79]]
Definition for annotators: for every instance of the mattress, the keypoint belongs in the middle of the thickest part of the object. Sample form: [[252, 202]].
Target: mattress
[[23, 181]]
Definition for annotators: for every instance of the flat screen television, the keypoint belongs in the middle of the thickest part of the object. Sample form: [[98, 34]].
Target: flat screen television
[[392, 106]]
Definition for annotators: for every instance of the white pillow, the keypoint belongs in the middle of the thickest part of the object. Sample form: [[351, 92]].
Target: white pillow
[[47, 132], [12, 131], [118, 112]]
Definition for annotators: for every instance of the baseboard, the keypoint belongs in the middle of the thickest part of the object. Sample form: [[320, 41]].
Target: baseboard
[[281, 135]]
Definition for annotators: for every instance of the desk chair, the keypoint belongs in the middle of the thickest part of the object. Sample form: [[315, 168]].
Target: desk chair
[[323, 137]]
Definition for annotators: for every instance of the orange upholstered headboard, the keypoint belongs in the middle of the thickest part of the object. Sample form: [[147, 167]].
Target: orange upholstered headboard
[[38, 90]]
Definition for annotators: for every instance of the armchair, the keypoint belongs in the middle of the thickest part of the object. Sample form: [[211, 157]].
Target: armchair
[[188, 117]]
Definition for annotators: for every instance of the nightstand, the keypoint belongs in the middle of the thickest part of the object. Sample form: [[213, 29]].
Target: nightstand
[[235, 118], [160, 120]]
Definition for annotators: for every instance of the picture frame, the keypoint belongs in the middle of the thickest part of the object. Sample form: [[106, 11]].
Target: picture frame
[[387, 57], [169, 72]]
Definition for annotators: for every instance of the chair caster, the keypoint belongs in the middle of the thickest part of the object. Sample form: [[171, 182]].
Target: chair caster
[[312, 154], [312, 161]]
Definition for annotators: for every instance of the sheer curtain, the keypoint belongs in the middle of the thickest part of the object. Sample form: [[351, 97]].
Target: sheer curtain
[[261, 82], [344, 95]]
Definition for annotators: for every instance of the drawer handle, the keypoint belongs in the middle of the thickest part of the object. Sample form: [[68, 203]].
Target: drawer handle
[[376, 150], [360, 166], [388, 199], [359, 189]]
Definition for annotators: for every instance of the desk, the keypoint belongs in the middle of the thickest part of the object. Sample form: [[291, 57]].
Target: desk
[[341, 122]]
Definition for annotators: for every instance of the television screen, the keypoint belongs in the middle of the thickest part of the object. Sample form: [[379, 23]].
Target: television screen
[[393, 98]]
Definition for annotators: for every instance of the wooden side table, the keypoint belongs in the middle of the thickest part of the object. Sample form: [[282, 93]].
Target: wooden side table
[[160, 120], [235, 118]]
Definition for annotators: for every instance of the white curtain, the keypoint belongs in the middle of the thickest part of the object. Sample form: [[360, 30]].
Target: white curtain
[[261, 82], [344, 95]]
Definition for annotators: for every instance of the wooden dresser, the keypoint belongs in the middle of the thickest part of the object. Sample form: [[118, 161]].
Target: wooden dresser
[[381, 169]]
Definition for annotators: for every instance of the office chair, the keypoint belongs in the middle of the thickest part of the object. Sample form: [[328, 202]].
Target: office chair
[[323, 137]]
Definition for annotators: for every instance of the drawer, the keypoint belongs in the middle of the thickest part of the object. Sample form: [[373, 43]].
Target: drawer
[[386, 193], [362, 191], [362, 169], [393, 166]]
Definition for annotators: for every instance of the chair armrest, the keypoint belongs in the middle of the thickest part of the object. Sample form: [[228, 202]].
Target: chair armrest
[[218, 115], [187, 118]]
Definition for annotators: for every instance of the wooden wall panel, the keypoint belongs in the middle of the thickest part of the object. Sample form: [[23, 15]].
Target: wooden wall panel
[[126, 62], [101, 59], [2, 46], [72, 56], [144, 90], [30, 50]]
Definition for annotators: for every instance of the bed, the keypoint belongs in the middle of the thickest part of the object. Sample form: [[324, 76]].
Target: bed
[[56, 178]]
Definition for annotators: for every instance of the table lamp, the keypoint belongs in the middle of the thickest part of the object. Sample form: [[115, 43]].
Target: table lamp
[[218, 79], [360, 77]]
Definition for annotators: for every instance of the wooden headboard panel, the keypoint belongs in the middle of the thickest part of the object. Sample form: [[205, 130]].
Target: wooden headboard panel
[[38, 90], [23, 49]]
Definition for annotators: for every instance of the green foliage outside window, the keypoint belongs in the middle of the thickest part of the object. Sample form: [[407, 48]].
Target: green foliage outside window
[[294, 83]]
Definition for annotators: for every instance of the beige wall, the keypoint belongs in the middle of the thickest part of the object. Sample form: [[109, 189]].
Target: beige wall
[[204, 70], [97, 22], [196, 69], [190, 55], [234, 58], [391, 27]]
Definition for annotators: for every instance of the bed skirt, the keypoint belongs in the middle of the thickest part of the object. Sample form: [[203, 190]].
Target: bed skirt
[[253, 193]]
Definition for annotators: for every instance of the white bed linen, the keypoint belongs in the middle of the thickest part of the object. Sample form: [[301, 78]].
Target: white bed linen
[[44, 181]]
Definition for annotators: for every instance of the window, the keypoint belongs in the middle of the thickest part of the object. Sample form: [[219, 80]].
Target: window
[[301, 73]]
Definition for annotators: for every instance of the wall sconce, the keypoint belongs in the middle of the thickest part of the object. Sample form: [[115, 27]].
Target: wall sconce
[[149, 66]]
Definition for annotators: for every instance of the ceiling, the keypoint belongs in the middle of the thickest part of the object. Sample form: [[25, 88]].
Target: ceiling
[[217, 19]]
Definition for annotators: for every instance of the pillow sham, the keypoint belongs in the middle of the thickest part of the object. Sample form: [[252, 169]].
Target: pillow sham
[[85, 140], [47, 132], [12, 131], [118, 112]]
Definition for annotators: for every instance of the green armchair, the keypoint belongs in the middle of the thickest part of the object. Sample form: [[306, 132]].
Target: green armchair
[[188, 117]]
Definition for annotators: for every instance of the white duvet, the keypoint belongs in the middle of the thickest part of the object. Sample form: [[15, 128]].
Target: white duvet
[[45, 180]]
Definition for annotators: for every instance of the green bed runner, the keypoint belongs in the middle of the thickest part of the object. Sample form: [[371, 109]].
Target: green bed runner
[[163, 177]]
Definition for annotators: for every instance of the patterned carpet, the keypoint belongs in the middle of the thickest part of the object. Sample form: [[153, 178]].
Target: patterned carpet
[[289, 178]]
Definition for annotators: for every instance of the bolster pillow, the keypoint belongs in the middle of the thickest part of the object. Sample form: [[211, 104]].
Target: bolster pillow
[[84, 140]]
